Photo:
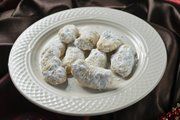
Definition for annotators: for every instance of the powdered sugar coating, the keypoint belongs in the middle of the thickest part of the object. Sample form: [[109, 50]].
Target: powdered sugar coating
[[72, 54], [108, 42], [68, 33], [123, 61], [62, 48], [57, 50], [52, 70], [94, 77], [97, 58], [87, 40], [47, 61], [90, 72]]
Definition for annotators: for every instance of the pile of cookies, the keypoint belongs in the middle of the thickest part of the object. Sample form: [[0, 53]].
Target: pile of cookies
[[67, 56]]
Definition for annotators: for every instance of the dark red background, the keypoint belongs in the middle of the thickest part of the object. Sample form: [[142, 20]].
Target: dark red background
[[163, 15]]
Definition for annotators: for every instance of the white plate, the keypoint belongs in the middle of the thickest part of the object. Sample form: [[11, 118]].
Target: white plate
[[71, 98]]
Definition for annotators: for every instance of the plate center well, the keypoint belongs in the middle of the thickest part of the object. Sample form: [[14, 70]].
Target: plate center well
[[71, 88]]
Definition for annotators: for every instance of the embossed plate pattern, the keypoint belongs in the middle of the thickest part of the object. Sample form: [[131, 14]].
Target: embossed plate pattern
[[25, 73]]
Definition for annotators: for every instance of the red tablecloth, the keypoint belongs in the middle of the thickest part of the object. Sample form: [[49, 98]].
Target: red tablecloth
[[163, 15]]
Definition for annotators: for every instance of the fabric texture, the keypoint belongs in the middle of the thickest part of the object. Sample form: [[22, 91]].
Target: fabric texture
[[163, 15]]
